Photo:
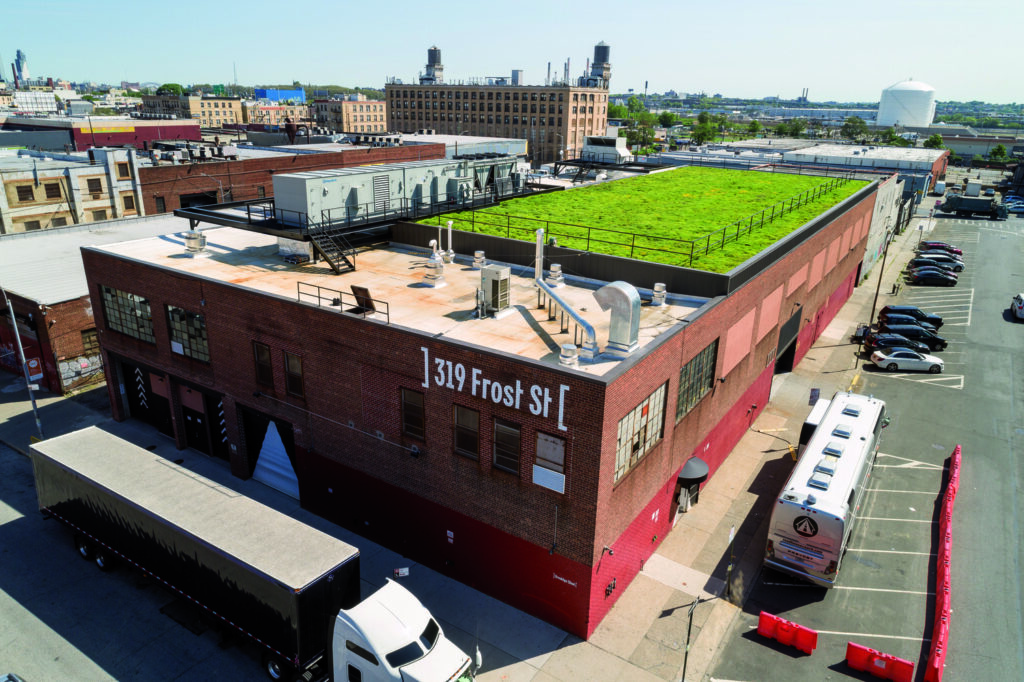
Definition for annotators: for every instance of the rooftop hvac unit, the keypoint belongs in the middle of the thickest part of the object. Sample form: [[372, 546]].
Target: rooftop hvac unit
[[497, 286]]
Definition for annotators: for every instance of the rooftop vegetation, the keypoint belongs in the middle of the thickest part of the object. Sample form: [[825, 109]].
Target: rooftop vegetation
[[704, 218]]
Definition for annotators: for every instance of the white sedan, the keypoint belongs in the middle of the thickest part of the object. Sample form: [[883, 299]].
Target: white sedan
[[907, 361]]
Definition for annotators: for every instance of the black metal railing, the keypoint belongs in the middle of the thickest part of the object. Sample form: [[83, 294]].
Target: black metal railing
[[344, 302], [630, 244]]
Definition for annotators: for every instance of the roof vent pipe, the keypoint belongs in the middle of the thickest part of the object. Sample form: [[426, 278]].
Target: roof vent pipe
[[624, 301], [658, 294], [590, 349], [449, 255], [479, 261]]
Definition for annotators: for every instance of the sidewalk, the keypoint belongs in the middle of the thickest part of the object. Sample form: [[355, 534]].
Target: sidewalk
[[644, 636]]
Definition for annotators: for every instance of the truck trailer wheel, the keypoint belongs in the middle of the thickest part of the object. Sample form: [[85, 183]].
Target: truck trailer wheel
[[276, 668], [83, 547], [104, 561]]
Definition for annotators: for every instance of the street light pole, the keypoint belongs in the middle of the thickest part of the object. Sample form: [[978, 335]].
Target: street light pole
[[24, 364]]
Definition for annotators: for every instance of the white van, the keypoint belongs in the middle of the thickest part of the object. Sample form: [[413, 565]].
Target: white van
[[814, 514], [940, 187]]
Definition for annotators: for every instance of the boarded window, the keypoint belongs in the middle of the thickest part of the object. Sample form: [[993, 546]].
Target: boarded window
[[467, 431], [90, 342], [293, 375], [52, 190], [549, 469], [25, 193], [413, 417], [506, 445], [264, 368], [95, 186], [99, 215], [31, 225], [161, 206]]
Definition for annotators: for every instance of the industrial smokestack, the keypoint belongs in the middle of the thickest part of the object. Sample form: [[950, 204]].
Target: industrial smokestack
[[548, 80]]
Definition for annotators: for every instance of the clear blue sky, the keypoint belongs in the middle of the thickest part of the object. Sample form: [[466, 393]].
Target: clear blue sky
[[846, 51]]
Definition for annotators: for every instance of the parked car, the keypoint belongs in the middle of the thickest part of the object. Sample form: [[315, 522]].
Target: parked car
[[896, 318], [922, 262], [1017, 306], [932, 277], [989, 192], [907, 361], [915, 333], [882, 341], [912, 311], [942, 257], [1015, 208], [940, 246]]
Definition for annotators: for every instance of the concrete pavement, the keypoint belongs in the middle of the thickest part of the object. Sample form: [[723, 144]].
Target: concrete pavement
[[672, 618]]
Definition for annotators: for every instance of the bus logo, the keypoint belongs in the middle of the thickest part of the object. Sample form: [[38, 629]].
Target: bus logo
[[805, 526]]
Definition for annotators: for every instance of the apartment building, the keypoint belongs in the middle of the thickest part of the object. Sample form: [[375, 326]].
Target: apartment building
[[210, 111], [351, 115], [275, 114]]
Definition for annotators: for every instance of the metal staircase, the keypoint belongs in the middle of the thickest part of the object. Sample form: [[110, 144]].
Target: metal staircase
[[334, 248]]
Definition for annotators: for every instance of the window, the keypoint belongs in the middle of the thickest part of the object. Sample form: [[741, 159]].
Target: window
[[25, 193], [264, 367], [90, 342], [188, 334], [293, 374], [260, 192], [31, 225], [361, 652], [506, 445], [467, 431], [58, 222], [52, 190], [639, 431], [128, 314], [129, 202], [696, 379], [413, 419], [94, 186], [122, 170], [549, 469], [99, 215], [161, 206]]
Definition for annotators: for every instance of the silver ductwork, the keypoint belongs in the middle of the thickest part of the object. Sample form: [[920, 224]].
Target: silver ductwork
[[624, 301], [590, 349]]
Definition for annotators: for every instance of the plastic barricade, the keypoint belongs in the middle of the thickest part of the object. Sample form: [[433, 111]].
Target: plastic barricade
[[787, 633], [886, 666], [943, 579], [937, 658]]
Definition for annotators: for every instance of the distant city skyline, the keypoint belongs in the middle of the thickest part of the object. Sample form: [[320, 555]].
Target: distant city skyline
[[839, 51]]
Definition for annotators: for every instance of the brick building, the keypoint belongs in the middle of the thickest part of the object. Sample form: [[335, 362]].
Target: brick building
[[474, 445], [211, 111], [46, 190], [553, 119], [165, 188], [107, 131], [353, 115], [275, 114]]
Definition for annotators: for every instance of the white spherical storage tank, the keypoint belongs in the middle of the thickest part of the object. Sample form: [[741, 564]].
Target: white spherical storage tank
[[908, 103]]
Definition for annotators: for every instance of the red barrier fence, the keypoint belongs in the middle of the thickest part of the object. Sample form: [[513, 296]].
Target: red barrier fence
[[886, 666], [943, 579], [787, 632]]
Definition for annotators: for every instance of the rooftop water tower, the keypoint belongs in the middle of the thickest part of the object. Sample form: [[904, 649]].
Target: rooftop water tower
[[435, 69]]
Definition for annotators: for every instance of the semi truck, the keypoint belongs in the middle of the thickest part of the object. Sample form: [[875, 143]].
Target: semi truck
[[964, 206], [292, 589]]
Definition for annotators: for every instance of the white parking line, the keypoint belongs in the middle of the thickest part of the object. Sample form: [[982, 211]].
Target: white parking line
[[881, 589], [879, 518], [910, 463], [873, 635], [908, 492], [888, 551]]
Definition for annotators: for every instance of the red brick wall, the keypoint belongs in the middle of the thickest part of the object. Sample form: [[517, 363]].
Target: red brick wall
[[141, 136], [242, 178]]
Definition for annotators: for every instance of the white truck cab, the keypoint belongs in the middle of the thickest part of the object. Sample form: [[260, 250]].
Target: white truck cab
[[390, 636]]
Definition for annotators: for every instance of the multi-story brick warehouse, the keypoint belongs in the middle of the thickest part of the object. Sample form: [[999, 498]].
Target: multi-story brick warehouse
[[460, 441], [355, 114], [553, 119]]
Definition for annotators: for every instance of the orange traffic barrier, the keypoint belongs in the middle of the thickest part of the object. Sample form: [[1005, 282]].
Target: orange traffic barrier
[[937, 657], [886, 666], [940, 629], [787, 632]]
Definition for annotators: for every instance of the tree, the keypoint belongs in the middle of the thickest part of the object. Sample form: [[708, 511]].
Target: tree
[[797, 127], [934, 142], [854, 128], [634, 105], [646, 118], [782, 129], [170, 89], [702, 132], [666, 119], [617, 111], [998, 152], [704, 118], [754, 127]]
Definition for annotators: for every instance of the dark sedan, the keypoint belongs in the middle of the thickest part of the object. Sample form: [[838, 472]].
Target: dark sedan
[[922, 262], [932, 277], [883, 341]]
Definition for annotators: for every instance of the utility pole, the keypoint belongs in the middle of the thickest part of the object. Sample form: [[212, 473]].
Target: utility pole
[[24, 365]]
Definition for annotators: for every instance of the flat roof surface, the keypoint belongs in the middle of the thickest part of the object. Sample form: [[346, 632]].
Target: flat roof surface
[[452, 139], [17, 164], [46, 266], [395, 275], [874, 152], [277, 545]]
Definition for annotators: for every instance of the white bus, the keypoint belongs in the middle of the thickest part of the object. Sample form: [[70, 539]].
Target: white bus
[[815, 513]]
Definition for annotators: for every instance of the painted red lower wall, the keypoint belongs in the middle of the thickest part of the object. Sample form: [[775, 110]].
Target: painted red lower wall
[[824, 316], [520, 573]]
